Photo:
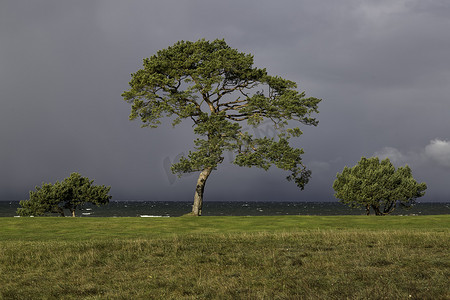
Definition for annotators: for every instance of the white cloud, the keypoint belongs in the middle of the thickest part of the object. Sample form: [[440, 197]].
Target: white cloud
[[394, 155], [439, 151]]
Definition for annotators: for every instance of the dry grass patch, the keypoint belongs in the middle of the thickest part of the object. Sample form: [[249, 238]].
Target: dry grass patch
[[321, 264]]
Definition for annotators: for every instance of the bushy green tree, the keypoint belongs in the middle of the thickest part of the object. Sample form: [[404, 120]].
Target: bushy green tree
[[217, 88], [71, 194], [377, 185]]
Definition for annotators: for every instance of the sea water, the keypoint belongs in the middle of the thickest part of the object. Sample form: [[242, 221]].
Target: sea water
[[174, 209]]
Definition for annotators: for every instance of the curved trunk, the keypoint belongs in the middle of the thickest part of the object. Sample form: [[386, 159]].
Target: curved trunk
[[199, 189]]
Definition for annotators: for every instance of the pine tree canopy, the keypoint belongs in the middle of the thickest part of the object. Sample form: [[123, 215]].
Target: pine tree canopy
[[219, 90], [378, 185]]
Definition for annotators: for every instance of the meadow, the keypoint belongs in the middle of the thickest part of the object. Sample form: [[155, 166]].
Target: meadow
[[276, 257]]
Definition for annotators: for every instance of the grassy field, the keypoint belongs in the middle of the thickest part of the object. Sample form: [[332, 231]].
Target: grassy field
[[289, 257]]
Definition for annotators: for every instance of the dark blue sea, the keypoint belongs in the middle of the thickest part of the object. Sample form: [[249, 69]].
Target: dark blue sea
[[174, 209]]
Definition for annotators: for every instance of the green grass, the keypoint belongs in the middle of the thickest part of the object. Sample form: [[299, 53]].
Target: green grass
[[77, 229], [289, 257]]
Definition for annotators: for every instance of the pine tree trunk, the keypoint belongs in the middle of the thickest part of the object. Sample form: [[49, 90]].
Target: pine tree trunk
[[377, 210], [199, 189], [389, 208]]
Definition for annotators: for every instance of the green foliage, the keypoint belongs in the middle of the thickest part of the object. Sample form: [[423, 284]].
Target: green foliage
[[377, 185], [71, 194], [217, 88]]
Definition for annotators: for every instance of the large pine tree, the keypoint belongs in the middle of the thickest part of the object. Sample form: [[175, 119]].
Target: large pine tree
[[218, 89]]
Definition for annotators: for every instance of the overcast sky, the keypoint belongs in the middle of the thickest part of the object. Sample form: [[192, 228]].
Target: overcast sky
[[382, 69]]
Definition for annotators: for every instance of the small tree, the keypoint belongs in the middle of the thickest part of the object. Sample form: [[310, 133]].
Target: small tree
[[217, 88], [70, 194], [377, 185]]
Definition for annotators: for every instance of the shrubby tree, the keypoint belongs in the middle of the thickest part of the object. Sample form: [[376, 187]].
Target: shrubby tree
[[71, 194], [217, 88], [377, 185]]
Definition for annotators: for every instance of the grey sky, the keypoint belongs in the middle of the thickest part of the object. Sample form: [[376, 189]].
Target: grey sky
[[382, 69]]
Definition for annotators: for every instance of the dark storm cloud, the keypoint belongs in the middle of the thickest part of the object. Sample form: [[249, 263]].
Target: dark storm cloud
[[381, 68]]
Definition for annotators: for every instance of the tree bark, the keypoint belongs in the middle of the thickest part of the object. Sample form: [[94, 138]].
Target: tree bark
[[388, 209], [199, 189], [377, 210]]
